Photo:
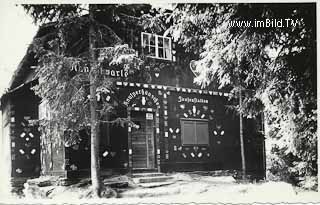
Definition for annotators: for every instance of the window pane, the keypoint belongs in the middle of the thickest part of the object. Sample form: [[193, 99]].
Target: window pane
[[166, 43], [146, 50], [188, 132], [167, 54], [160, 41], [145, 40], [202, 132], [152, 51], [152, 40], [160, 53]]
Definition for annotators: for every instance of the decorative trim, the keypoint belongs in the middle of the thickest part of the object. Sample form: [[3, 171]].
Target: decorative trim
[[157, 144], [129, 141], [165, 124], [172, 88]]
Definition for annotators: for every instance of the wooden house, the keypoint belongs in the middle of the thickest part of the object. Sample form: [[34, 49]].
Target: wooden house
[[180, 127]]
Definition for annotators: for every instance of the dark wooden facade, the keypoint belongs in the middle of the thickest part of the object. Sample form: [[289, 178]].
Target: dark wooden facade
[[19, 108], [180, 127], [157, 144]]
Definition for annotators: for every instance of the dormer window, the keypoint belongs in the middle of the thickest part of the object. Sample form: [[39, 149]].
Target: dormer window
[[156, 46]]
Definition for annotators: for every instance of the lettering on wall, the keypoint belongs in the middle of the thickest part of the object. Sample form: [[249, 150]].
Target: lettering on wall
[[111, 72], [141, 92], [115, 73], [192, 100]]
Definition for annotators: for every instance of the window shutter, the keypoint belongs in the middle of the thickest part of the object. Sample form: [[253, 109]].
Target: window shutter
[[188, 133], [194, 132], [202, 132]]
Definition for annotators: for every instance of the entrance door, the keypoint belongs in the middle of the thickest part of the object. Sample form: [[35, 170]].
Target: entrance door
[[143, 156]]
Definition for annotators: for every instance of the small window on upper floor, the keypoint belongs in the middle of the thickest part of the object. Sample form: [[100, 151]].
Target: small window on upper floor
[[156, 46]]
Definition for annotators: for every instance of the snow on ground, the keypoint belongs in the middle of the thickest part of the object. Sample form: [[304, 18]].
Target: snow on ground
[[190, 188]]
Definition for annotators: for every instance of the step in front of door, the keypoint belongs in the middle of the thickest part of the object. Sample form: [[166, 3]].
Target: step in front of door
[[152, 179], [147, 174]]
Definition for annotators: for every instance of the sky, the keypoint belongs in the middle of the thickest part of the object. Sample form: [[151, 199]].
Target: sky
[[16, 32]]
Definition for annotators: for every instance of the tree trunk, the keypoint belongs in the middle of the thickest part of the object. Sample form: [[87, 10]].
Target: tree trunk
[[243, 159], [95, 165]]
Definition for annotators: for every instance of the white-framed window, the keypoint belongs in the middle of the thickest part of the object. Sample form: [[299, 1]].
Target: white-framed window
[[194, 132], [156, 46]]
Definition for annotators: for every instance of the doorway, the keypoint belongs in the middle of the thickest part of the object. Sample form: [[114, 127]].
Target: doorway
[[142, 140]]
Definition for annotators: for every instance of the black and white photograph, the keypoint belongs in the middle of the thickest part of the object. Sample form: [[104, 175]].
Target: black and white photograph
[[159, 102]]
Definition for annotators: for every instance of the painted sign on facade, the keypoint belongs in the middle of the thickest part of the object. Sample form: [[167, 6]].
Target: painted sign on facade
[[192, 100], [143, 93], [113, 71]]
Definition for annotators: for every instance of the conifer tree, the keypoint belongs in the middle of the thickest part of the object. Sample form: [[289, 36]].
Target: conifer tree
[[276, 66], [70, 57]]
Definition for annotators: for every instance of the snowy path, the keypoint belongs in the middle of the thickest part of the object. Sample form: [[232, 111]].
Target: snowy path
[[191, 189]]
